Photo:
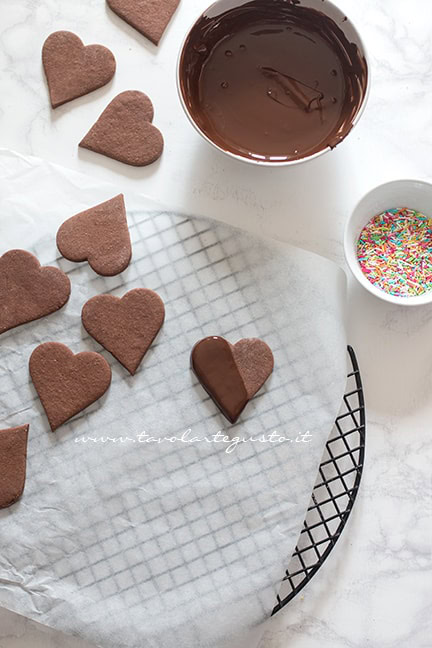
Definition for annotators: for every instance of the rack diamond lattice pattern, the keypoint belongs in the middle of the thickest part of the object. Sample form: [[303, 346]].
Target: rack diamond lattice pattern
[[335, 490]]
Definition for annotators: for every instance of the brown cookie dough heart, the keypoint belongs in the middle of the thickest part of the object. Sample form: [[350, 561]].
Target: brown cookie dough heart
[[232, 374], [124, 131], [67, 383], [13, 464], [29, 291], [73, 69], [99, 235], [126, 327], [150, 17]]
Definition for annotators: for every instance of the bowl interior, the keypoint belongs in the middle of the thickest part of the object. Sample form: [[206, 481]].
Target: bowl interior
[[187, 78], [415, 194]]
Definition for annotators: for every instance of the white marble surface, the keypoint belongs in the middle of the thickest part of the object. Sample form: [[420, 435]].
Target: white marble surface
[[375, 591]]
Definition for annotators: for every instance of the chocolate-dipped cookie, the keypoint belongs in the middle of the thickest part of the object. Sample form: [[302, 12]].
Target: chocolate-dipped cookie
[[232, 374]]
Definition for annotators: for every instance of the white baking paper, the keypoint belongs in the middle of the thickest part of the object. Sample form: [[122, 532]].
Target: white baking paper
[[165, 543]]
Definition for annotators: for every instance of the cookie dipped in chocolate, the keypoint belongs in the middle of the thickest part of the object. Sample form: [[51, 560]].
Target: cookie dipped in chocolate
[[214, 365], [271, 80]]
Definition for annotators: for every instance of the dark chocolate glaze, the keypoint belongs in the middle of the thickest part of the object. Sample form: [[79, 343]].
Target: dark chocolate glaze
[[270, 79], [214, 365]]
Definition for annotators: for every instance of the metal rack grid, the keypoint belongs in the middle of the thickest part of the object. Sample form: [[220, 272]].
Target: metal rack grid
[[335, 490]]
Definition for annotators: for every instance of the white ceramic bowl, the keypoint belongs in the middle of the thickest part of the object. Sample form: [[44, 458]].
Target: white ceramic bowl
[[415, 194], [350, 31]]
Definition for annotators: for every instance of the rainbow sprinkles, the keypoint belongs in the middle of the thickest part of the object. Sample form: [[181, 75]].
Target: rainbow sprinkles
[[394, 251]]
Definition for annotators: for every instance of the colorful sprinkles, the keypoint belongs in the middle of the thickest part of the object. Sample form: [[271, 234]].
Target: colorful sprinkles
[[395, 252]]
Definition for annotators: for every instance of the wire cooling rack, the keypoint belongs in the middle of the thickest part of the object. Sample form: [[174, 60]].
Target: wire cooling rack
[[335, 490]]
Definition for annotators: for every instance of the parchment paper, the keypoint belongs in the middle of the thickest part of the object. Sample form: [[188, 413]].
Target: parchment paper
[[169, 543]]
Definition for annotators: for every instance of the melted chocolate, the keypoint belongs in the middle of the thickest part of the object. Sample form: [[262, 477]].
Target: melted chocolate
[[271, 80], [214, 365]]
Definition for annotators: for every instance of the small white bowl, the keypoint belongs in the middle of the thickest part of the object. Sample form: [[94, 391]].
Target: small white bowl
[[414, 194]]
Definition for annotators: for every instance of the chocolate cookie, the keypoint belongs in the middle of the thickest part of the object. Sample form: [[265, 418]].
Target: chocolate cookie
[[72, 69], [126, 327], [232, 374], [27, 290], [67, 383], [150, 17], [99, 235], [124, 131], [13, 464]]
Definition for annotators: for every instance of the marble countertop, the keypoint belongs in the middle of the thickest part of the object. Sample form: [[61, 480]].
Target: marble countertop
[[375, 591]]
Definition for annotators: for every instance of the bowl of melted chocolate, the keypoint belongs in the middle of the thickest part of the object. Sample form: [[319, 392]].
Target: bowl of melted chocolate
[[273, 82]]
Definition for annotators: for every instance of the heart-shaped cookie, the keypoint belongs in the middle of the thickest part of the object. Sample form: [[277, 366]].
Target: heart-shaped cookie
[[126, 327], [73, 69], [29, 291], [13, 463], [67, 383], [99, 235], [232, 374], [150, 17], [124, 131]]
